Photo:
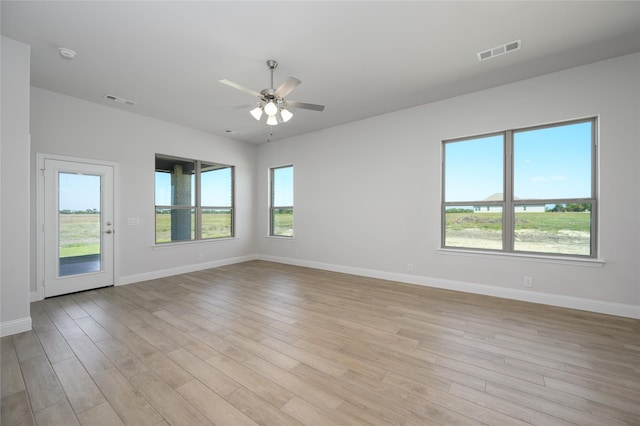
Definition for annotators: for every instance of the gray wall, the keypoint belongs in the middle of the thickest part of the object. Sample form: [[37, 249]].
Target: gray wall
[[367, 194], [14, 189], [68, 126]]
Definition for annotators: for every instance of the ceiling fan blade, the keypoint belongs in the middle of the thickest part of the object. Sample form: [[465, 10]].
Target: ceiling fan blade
[[242, 88], [304, 105], [286, 87]]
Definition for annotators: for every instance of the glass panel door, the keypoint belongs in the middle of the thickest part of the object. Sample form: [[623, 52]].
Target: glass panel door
[[78, 230]]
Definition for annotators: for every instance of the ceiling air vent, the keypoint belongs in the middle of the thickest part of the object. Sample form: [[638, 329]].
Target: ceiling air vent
[[118, 99], [499, 50]]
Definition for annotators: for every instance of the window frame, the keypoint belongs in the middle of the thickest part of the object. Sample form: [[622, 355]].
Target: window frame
[[509, 203], [197, 207], [273, 207]]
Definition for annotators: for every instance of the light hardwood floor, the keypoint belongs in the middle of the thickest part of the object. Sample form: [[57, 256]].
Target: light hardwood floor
[[270, 344]]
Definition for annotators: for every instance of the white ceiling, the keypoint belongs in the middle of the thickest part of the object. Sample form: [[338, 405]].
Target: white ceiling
[[359, 58]]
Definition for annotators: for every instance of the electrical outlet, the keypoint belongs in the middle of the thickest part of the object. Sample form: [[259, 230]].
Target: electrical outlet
[[410, 267], [527, 281], [200, 258]]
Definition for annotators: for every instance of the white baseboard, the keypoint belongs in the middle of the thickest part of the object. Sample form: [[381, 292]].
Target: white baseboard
[[161, 273], [34, 296], [610, 308], [16, 326], [599, 306]]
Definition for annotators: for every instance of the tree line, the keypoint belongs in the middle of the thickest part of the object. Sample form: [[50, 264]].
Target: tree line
[[573, 207], [86, 211]]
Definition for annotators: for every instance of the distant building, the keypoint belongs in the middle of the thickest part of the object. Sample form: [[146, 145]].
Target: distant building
[[529, 208]]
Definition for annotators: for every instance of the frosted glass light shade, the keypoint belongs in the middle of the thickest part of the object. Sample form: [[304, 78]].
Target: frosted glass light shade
[[270, 108], [256, 112], [272, 120], [286, 115]]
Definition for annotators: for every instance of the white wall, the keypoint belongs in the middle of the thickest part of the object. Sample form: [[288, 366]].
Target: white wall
[[14, 189], [67, 126], [367, 194]]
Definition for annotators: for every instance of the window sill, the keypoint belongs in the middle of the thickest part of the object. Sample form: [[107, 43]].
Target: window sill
[[188, 243], [573, 261], [279, 237]]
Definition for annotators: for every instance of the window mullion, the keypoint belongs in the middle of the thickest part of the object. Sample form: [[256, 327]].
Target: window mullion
[[508, 221], [198, 198]]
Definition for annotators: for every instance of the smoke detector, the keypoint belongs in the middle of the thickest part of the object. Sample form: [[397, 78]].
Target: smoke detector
[[500, 50], [65, 53]]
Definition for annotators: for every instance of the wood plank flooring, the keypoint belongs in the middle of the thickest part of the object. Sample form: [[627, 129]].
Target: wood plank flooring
[[260, 343]]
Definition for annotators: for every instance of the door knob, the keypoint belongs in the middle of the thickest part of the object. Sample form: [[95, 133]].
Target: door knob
[[108, 231]]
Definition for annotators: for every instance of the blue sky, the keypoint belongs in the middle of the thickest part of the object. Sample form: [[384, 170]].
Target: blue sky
[[215, 188], [552, 162], [283, 186], [78, 192]]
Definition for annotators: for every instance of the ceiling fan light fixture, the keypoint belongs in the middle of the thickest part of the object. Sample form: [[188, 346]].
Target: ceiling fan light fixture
[[271, 109], [271, 101], [286, 115], [272, 120], [256, 112]]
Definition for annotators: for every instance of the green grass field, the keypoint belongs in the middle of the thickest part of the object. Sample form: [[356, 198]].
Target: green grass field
[[283, 222], [79, 234], [215, 224], [547, 221], [548, 232]]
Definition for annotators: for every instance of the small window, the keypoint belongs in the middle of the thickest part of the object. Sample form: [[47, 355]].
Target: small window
[[281, 202], [194, 200], [527, 190]]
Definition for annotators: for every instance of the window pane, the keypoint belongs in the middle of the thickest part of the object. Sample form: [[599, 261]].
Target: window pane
[[175, 182], [216, 223], [474, 168], [79, 219], [474, 227], [553, 228], [553, 163], [216, 183], [282, 187], [175, 225], [163, 188], [282, 222]]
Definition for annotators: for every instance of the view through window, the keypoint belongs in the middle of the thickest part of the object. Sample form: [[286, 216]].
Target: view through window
[[194, 199], [526, 190], [281, 208]]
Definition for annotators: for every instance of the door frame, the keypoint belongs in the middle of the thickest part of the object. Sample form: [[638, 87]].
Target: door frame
[[40, 215]]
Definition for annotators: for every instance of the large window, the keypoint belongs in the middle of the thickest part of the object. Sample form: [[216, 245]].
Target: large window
[[528, 190], [194, 200], [281, 202]]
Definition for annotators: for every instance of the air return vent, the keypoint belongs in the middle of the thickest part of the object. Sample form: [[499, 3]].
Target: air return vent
[[499, 50], [118, 99]]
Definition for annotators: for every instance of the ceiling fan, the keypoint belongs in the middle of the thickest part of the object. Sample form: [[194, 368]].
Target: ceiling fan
[[271, 101]]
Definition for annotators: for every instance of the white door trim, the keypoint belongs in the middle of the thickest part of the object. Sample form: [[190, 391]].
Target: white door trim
[[40, 215]]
